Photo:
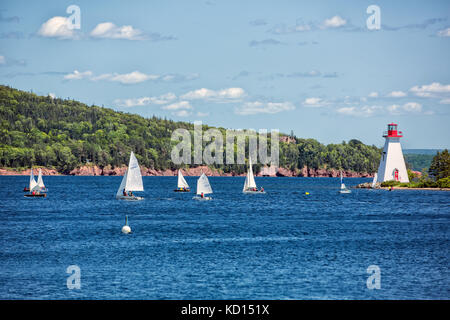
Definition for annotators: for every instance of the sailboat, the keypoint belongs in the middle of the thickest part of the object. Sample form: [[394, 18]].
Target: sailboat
[[344, 189], [203, 187], [32, 182], [182, 185], [40, 182], [33, 187], [131, 181], [250, 184], [374, 181]]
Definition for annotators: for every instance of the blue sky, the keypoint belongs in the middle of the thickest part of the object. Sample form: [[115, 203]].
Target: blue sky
[[308, 66]]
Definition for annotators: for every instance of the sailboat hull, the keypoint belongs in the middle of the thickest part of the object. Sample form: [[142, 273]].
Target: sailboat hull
[[198, 198], [41, 195], [178, 190], [132, 198], [255, 192], [345, 191]]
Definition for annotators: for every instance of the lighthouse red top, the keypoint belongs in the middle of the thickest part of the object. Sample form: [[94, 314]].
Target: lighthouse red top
[[392, 131]]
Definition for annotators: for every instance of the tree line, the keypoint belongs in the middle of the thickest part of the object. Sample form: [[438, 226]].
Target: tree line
[[64, 134]]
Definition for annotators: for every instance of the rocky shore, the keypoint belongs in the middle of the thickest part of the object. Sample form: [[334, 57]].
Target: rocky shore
[[197, 171], [368, 185], [45, 172]]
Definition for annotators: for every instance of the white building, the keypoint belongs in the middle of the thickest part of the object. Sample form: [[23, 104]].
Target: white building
[[392, 164]]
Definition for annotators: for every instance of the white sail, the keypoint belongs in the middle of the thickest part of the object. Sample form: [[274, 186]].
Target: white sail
[[40, 182], [181, 181], [122, 186], [33, 183], [374, 181], [134, 177], [245, 183], [342, 184], [203, 185], [249, 179]]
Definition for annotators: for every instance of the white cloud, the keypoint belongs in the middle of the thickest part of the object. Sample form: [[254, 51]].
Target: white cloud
[[395, 109], [2, 60], [223, 95], [314, 102], [202, 114], [412, 107], [126, 78], [444, 33], [397, 94], [178, 106], [302, 27], [431, 90], [365, 111], [144, 101], [182, 113], [108, 30], [57, 27], [250, 108], [445, 101], [129, 78], [334, 22], [373, 94], [77, 75]]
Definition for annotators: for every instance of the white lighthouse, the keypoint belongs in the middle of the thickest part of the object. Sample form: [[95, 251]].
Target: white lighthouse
[[392, 164]]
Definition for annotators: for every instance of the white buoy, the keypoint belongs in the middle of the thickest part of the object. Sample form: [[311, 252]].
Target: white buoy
[[126, 228]]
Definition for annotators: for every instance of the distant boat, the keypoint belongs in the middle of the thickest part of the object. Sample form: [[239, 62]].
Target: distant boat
[[131, 181], [32, 182], [34, 188], [203, 187], [374, 181], [250, 184], [182, 185], [40, 182], [344, 189]]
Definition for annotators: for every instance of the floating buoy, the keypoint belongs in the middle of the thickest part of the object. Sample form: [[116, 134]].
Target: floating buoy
[[306, 193], [126, 228]]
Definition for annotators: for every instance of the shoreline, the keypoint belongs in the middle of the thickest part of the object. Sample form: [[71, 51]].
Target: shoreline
[[406, 188], [195, 171]]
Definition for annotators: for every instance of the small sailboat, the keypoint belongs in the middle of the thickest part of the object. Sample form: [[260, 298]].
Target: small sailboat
[[344, 189], [203, 187], [34, 188], [182, 185], [32, 182], [250, 184], [131, 181], [40, 182], [374, 181]]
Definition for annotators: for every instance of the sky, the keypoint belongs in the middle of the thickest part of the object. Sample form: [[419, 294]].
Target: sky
[[313, 67]]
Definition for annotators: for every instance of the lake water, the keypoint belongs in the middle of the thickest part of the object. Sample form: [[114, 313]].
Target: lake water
[[279, 245]]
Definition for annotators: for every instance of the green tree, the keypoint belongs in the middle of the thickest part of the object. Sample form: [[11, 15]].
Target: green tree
[[440, 165]]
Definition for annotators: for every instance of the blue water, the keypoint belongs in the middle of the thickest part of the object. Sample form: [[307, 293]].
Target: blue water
[[280, 245]]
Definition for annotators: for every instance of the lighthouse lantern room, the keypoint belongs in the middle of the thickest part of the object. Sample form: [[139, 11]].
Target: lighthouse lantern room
[[392, 164]]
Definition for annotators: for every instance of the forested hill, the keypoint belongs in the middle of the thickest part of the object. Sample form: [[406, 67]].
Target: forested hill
[[65, 134]]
